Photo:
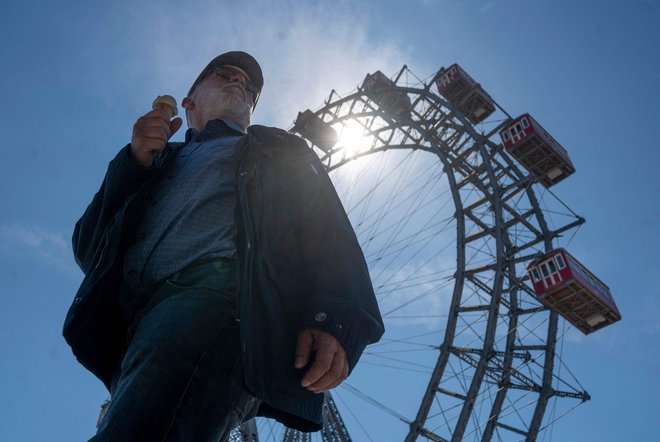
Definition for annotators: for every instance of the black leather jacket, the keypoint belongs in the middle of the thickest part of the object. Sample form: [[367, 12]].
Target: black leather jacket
[[299, 266]]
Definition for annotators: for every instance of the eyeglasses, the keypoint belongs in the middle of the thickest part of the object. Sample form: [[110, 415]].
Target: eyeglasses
[[228, 74]]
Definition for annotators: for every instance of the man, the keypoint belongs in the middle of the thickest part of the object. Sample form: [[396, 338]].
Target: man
[[222, 277]]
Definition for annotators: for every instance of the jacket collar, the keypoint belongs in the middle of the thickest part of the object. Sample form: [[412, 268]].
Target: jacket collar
[[214, 129]]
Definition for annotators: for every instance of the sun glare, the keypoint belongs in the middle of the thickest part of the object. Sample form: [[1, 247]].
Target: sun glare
[[352, 138]]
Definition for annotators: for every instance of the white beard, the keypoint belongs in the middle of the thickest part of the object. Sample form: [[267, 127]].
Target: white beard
[[218, 103]]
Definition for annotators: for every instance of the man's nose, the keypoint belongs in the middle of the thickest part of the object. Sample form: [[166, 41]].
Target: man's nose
[[236, 77]]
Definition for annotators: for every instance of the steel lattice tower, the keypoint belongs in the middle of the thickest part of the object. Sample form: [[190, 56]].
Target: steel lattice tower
[[333, 430], [247, 432]]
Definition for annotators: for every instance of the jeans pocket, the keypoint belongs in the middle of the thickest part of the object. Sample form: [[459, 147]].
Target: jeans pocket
[[211, 276], [183, 285]]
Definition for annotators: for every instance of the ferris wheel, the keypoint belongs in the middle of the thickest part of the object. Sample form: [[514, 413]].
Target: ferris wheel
[[449, 198]]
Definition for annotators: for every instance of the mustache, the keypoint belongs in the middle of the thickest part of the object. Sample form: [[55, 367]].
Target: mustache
[[239, 86]]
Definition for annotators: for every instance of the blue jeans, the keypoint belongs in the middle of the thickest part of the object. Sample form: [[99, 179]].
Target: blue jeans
[[180, 378]]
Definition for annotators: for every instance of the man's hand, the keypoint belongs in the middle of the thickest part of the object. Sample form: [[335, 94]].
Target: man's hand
[[150, 134], [330, 366]]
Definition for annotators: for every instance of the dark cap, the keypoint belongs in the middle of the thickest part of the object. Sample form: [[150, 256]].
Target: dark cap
[[239, 59]]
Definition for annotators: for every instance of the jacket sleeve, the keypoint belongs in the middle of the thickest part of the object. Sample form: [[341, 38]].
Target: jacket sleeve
[[339, 296], [122, 179]]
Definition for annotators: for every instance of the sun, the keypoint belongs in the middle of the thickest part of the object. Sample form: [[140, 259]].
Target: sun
[[352, 137]]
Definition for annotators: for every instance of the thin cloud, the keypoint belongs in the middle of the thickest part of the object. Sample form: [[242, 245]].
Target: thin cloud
[[305, 49], [50, 249]]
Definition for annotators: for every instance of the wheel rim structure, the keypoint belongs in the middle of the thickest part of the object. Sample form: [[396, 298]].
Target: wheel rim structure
[[493, 372]]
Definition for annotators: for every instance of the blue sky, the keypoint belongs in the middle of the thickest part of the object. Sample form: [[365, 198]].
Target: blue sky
[[75, 77]]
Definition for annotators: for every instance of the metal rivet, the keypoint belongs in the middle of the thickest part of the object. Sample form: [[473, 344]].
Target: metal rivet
[[320, 317]]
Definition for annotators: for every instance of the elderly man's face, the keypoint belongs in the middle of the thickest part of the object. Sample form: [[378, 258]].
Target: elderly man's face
[[226, 92]]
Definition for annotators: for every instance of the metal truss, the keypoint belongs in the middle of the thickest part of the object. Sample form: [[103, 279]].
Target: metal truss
[[494, 371]]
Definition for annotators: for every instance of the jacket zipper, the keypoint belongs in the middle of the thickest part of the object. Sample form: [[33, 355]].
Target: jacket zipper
[[246, 220]]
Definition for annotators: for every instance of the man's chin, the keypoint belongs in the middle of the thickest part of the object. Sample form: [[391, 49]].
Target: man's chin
[[235, 105], [236, 92], [227, 106]]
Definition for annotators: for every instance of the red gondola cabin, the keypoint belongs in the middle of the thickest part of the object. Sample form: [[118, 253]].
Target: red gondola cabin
[[382, 91], [534, 148], [466, 94], [311, 126], [564, 285]]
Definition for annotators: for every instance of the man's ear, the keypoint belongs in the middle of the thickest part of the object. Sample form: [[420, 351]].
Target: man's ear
[[188, 104]]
